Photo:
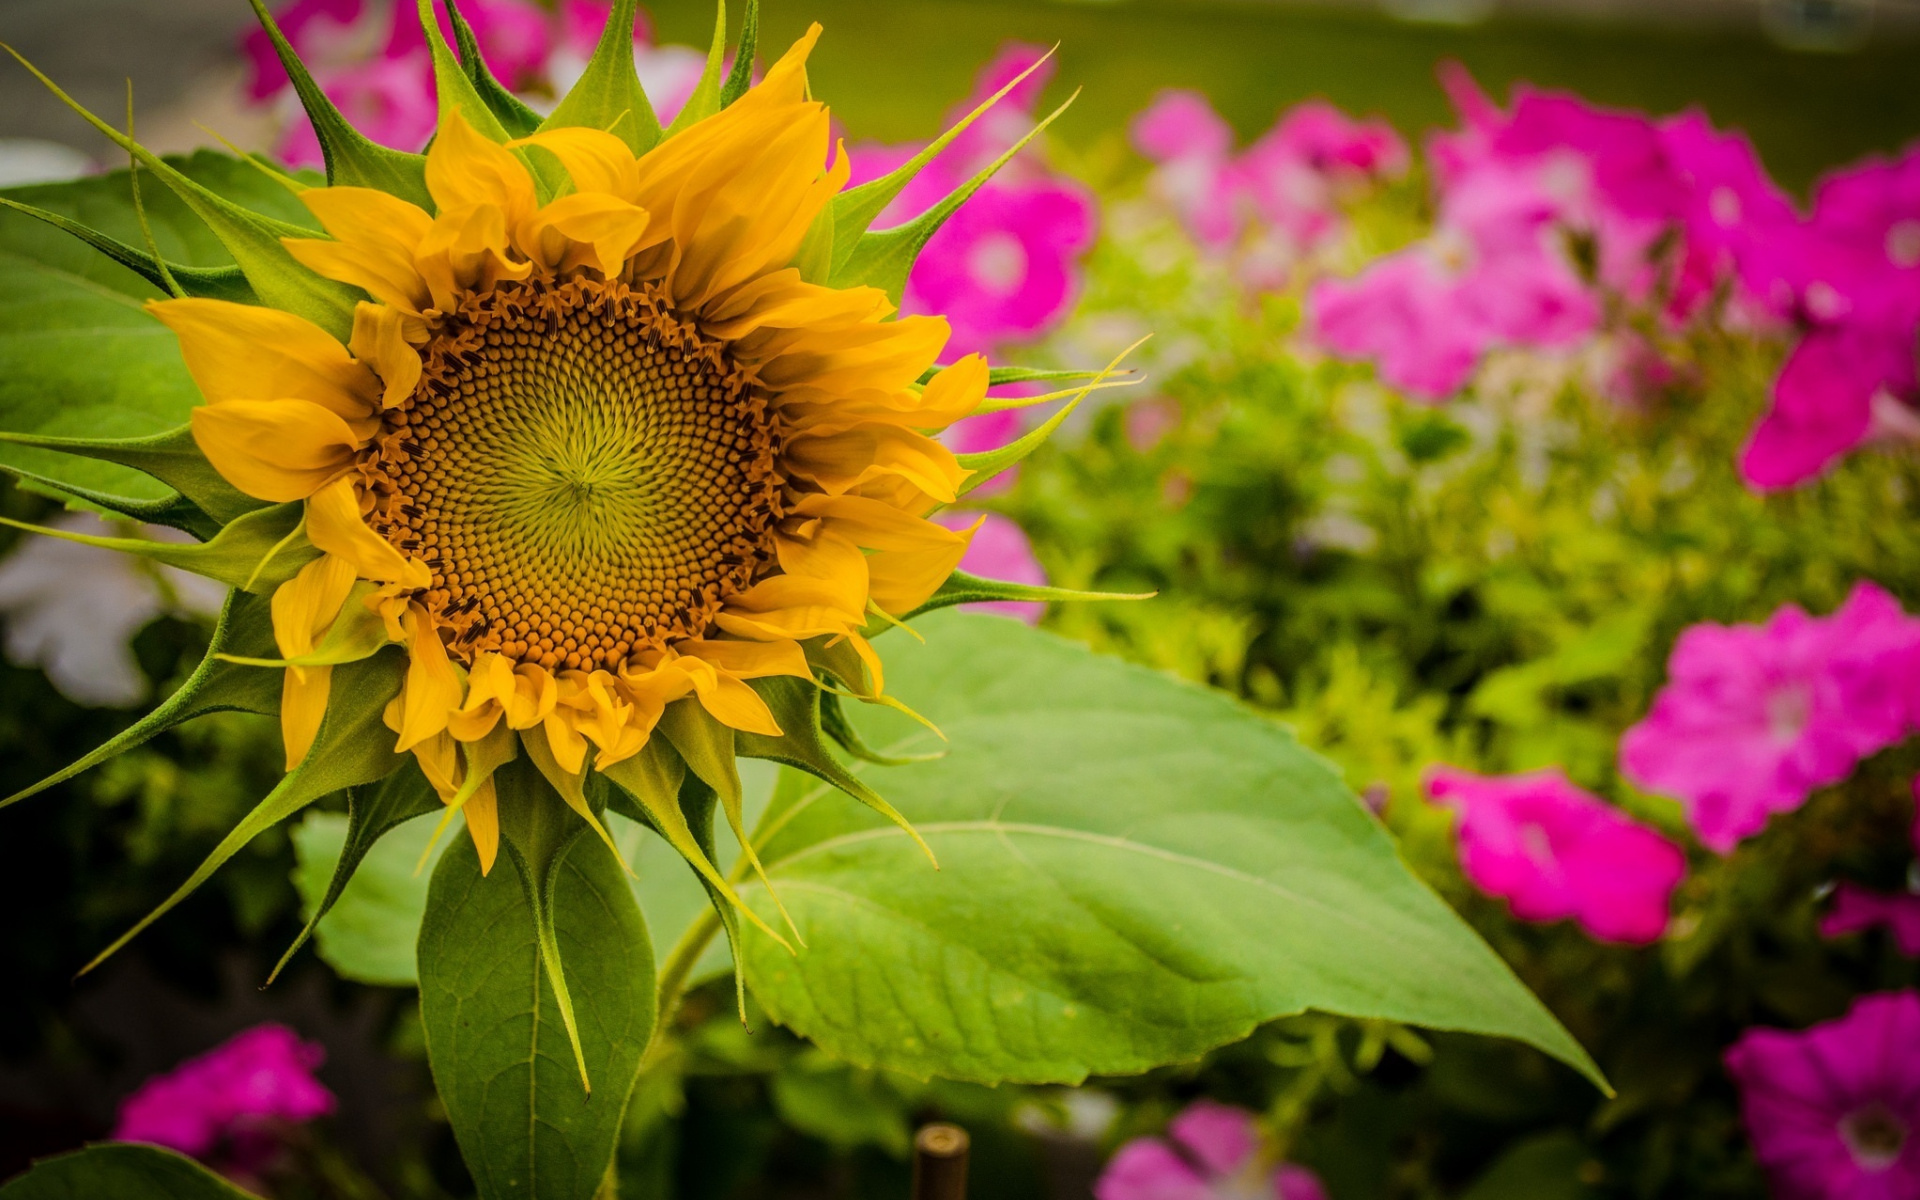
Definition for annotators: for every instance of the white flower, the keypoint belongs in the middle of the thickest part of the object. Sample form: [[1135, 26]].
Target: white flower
[[71, 609]]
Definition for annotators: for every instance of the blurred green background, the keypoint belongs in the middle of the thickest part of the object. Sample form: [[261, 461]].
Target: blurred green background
[[891, 67]]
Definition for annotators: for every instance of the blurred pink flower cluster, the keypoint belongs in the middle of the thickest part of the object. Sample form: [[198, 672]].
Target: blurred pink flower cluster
[[230, 1106], [1546, 213], [1753, 718], [371, 60], [1554, 851], [1559, 222], [1278, 201], [1834, 1111], [1211, 1152]]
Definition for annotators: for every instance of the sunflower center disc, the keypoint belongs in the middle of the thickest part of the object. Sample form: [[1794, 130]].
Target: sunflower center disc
[[583, 473]]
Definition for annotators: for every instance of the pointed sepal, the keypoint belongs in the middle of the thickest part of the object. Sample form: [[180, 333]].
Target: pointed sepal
[[856, 209], [512, 112], [172, 457], [352, 747], [704, 100], [707, 747], [608, 95], [246, 626], [213, 283], [172, 510], [453, 88], [253, 240], [372, 813], [741, 77], [988, 463], [962, 588], [352, 159], [256, 553], [834, 723], [802, 744]]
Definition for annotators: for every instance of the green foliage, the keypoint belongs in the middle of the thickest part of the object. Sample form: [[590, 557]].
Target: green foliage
[[1132, 871], [501, 1059], [82, 359], [121, 1170], [1494, 584]]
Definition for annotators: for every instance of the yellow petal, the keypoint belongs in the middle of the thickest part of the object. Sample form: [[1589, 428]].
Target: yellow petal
[[467, 249], [733, 703], [885, 356], [483, 825], [335, 526], [432, 689], [952, 394], [750, 660], [375, 236], [380, 341], [591, 230], [246, 352], [303, 703], [465, 170], [782, 300], [912, 557], [594, 159], [842, 462], [305, 606], [275, 449]]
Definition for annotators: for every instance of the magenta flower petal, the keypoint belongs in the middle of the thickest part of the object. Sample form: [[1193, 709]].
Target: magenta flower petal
[[1824, 402], [1181, 124], [1221, 1139], [1004, 266], [1148, 1169], [1553, 852], [1213, 1155], [1755, 717], [1833, 1111], [310, 25], [1856, 909], [262, 1075]]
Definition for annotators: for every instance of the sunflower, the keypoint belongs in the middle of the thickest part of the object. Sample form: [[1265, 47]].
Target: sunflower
[[573, 442]]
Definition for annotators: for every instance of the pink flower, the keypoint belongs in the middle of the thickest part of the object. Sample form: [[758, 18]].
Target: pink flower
[[1000, 550], [1833, 1111], [1195, 176], [1856, 909], [1212, 1153], [1491, 275], [1284, 193], [1296, 175], [314, 27], [1553, 851], [1005, 266], [1731, 213], [1755, 717], [391, 100], [1841, 385], [515, 36], [225, 1103], [1853, 275]]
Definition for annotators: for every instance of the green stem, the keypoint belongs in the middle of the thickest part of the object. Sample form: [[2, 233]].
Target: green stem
[[674, 971]]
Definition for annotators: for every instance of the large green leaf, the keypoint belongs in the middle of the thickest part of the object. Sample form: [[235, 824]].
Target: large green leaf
[[121, 1171], [501, 1059], [1133, 870], [82, 359]]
